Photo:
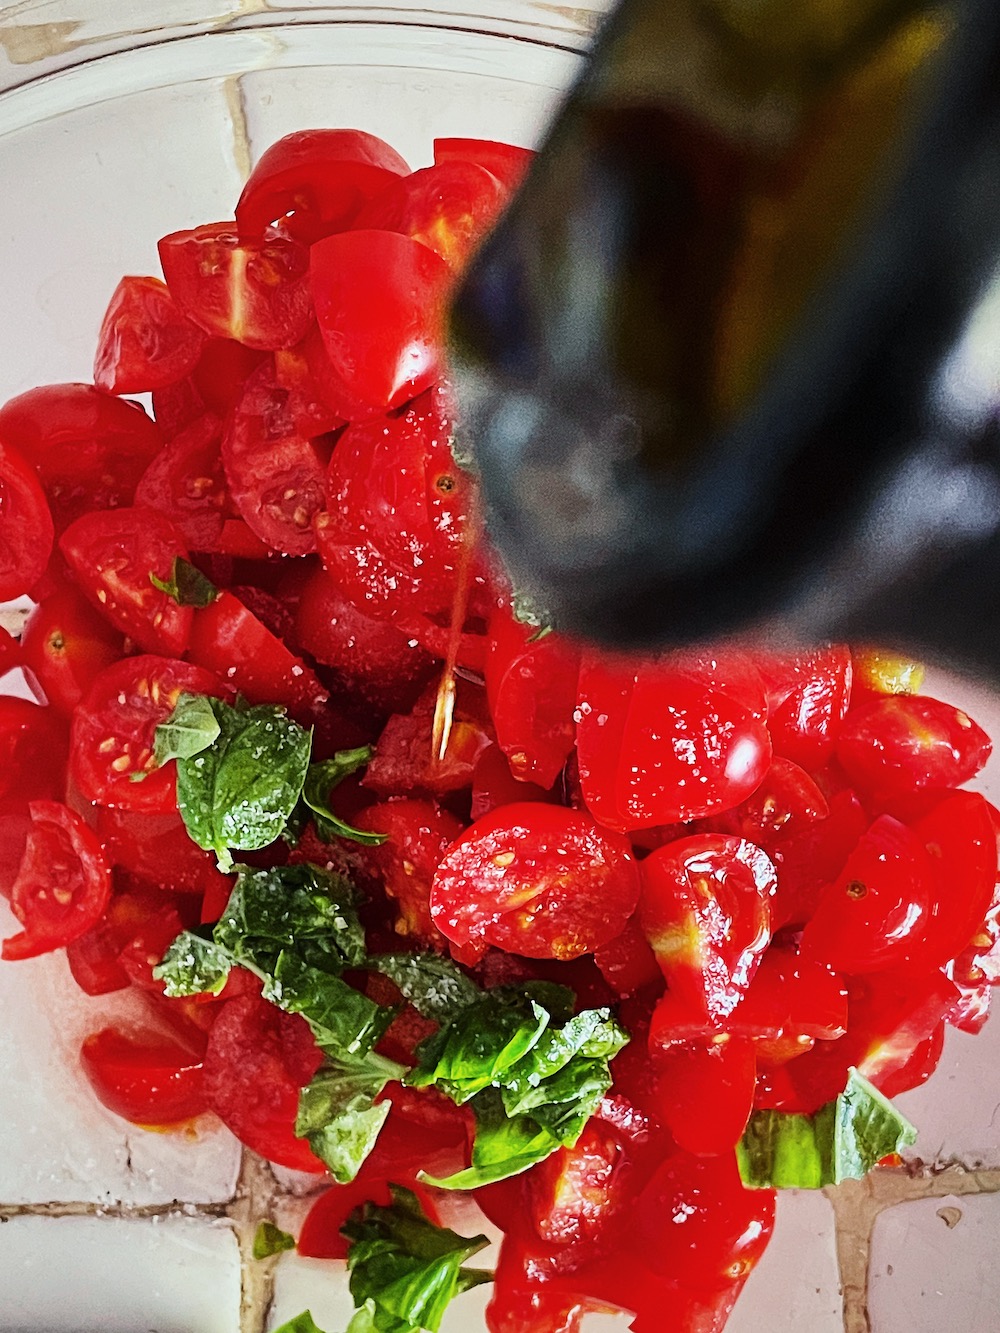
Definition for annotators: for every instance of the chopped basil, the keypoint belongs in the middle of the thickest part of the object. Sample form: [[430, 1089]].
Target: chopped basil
[[320, 782], [843, 1140], [187, 586], [190, 728], [403, 1268], [193, 965], [239, 791], [434, 985], [304, 1323], [338, 1114], [270, 1239], [340, 1017]]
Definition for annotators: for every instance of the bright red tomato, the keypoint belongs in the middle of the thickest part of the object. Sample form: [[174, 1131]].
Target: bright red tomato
[[276, 476], [787, 802], [33, 751], [145, 340], [10, 652], [255, 292], [537, 880], [114, 729], [185, 482], [810, 858], [314, 182], [574, 1194], [448, 207], [960, 837], [156, 849], [88, 448], [656, 747], [26, 530], [150, 1078], [66, 645], [111, 555], [706, 1093], [706, 911], [493, 784], [317, 398], [808, 693], [405, 760], [63, 885], [505, 161], [379, 300], [109, 956], [257, 1060], [907, 741]]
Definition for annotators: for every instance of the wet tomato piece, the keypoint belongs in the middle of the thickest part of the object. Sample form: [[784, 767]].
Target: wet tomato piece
[[574, 1194], [493, 784], [537, 880], [706, 912], [808, 693], [706, 1092], [960, 837], [66, 645], [810, 858], [506, 161], [88, 449], [114, 729], [146, 341], [33, 751], [907, 741], [63, 884], [149, 1078], [26, 529], [186, 483], [112, 555]]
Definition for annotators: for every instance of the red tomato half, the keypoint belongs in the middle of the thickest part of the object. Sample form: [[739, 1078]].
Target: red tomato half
[[448, 207], [706, 912], [255, 292], [63, 885], [112, 555], [145, 340], [114, 728], [185, 482], [150, 1078], [909, 740], [379, 300], [960, 838], [706, 1093], [88, 449], [258, 1058], [656, 747], [537, 880], [33, 751], [66, 645], [26, 531], [313, 182], [505, 161], [808, 694]]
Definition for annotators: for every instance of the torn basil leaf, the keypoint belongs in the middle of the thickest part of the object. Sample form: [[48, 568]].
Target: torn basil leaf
[[190, 728], [435, 986], [304, 1323], [187, 586], [337, 1111], [843, 1140], [320, 781], [269, 1239], [193, 965]]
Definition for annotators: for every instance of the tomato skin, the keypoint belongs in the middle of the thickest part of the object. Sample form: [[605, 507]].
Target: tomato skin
[[812, 857], [448, 207], [537, 880], [276, 476], [149, 1078], [398, 513], [254, 292], [256, 1061], [907, 741], [531, 687], [313, 182], [157, 849], [657, 747], [125, 705], [379, 300], [228, 639], [145, 341], [88, 449], [960, 837], [494, 785], [809, 692], [111, 555], [33, 751], [26, 528], [404, 761], [109, 956], [706, 912], [66, 645], [185, 482], [627, 963], [706, 1093], [63, 885], [573, 1194], [505, 161]]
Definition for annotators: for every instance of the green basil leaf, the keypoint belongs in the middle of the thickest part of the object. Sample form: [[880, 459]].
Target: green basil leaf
[[270, 1239], [320, 782], [187, 585], [433, 984], [193, 965], [340, 1017], [843, 1140], [190, 728], [337, 1111], [503, 1146], [363, 1320], [405, 1267], [479, 1045], [304, 1323]]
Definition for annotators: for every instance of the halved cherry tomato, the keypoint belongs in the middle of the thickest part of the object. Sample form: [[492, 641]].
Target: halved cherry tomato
[[398, 513], [150, 1078], [257, 1060], [313, 182], [574, 1194], [627, 963], [405, 760], [111, 555], [114, 728], [26, 530], [317, 399], [505, 161], [728, 671], [655, 746], [33, 751], [66, 645], [786, 802], [706, 1092], [379, 300], [145, 340], [10, 652], [63, 885], [276, 476], [255, 292], [812, 857], [531, 684], [910, 740], [537, 880], [494, 785], [88, 448], [155, 848], [960, 838], [808, 693], [186, 483], [448, 207], [109, 956], [706, 911]]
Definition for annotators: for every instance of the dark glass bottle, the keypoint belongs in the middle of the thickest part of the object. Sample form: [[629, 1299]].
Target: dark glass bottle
[[727, 359]]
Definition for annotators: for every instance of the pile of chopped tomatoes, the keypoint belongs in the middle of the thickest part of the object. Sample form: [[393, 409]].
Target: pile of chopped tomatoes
[[763, 859]]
